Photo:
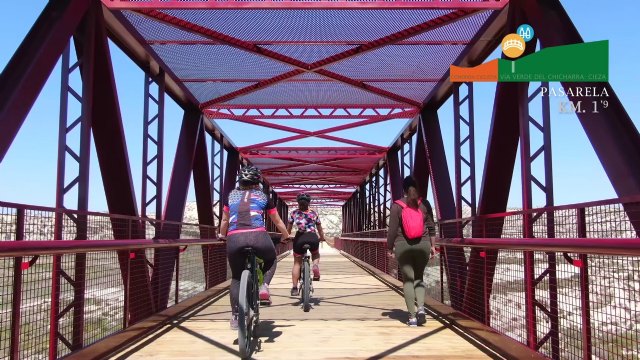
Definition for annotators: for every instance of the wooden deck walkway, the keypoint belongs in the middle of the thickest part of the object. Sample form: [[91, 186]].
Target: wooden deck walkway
[[354, 316]]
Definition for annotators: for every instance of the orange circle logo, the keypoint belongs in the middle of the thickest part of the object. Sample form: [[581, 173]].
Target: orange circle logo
[[513, 45]]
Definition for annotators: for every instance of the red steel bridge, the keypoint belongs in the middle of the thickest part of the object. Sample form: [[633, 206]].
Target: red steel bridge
[[559, 281]]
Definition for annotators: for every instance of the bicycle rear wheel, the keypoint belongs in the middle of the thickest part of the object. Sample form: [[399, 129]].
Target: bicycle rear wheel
[[306, 287], [245, 316]]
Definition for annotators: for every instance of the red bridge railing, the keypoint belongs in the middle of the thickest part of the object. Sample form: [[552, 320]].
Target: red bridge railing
[[58, 296], [582, 282]]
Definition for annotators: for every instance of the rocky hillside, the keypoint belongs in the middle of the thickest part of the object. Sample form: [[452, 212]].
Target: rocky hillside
[[331, 218]]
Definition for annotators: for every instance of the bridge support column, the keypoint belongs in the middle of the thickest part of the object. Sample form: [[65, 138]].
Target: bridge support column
[[454, 258], [611, 132], [153, 115], [164, 259]]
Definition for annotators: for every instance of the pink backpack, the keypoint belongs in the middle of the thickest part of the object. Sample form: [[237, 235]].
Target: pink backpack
[[412, 220]]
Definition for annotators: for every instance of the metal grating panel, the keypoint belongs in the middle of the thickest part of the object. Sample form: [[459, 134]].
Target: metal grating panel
[[205, 91], [261, 25], [153, 30], [400, 62], [217, 61], [461, 30], [417, 91], [308, 53], [311, 76], [311, 93]]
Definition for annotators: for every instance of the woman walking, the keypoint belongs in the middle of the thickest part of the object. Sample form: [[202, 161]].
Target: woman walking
[[411, 238]]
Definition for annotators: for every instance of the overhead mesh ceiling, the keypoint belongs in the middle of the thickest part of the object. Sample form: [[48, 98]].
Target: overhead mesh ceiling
[[231, 60]]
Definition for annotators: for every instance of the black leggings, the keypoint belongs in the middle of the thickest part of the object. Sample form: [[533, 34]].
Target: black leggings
[[264, 249], [305, 238]]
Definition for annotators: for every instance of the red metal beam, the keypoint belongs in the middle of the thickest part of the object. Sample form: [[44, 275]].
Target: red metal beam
[[164, 259], [320, 175], [401, 113], [298, 111], [321, 150], [393, 38], [288, 157], [291, 106], [252, 88], [320, 133], [30, 66], [312, 172], [327, 163], [291, 4], [316, 181], [303, 42], [115, 168], [230, 80], [455, 260], [272, 142], [367, 87], [316, 192], [291, 187]]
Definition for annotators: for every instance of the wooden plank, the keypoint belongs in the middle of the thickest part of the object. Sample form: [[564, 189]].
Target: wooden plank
[[354, 316]]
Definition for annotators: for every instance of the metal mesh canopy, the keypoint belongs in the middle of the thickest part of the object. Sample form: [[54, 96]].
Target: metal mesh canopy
[[261, 62]]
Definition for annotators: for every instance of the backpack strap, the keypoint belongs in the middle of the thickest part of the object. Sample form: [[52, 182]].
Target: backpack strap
[[401, 203]]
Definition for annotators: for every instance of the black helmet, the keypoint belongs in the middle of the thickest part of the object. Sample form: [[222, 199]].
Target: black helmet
[[303, 197], [250, 174]]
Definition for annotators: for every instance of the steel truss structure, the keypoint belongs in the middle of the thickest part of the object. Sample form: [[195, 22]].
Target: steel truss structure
[[355, 66]]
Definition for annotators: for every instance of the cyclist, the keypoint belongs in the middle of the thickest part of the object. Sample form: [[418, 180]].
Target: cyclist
[[243, 223], [412, 253], [308, 227]]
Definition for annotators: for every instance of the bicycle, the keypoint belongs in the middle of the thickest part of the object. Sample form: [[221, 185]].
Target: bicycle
[[248, 304], [306, 280]]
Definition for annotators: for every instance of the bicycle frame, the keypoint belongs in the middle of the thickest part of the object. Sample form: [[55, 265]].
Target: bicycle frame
[[305, 277], [248, 305]]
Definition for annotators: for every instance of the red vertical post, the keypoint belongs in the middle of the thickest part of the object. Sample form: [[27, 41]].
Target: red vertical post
[[386, 198], [127, 293], [394, 174], [16, 300], [217, 175], [202, 185], [230, 172], [177, 287], [153, 114], [585, 308], [527, 221], [454, 257], [86, 46], [420, 165], [164, 259], [462, 121], [502, 148]]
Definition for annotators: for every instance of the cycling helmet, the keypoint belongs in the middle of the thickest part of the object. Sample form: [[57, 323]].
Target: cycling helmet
[[303, 197], [251, 174]]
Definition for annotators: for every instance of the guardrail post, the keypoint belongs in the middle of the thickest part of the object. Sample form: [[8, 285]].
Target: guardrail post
[[177, 290], [16, 311], [127, 284], [585, 308]]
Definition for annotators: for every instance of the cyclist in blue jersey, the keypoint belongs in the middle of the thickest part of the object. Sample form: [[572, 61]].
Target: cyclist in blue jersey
[[243, 226], [308, 227]]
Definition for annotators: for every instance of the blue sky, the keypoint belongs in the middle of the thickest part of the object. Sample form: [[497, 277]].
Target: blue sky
[[28, 172]]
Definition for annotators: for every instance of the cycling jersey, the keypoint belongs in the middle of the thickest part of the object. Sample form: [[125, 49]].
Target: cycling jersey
[[246, 210], [305, 221]]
